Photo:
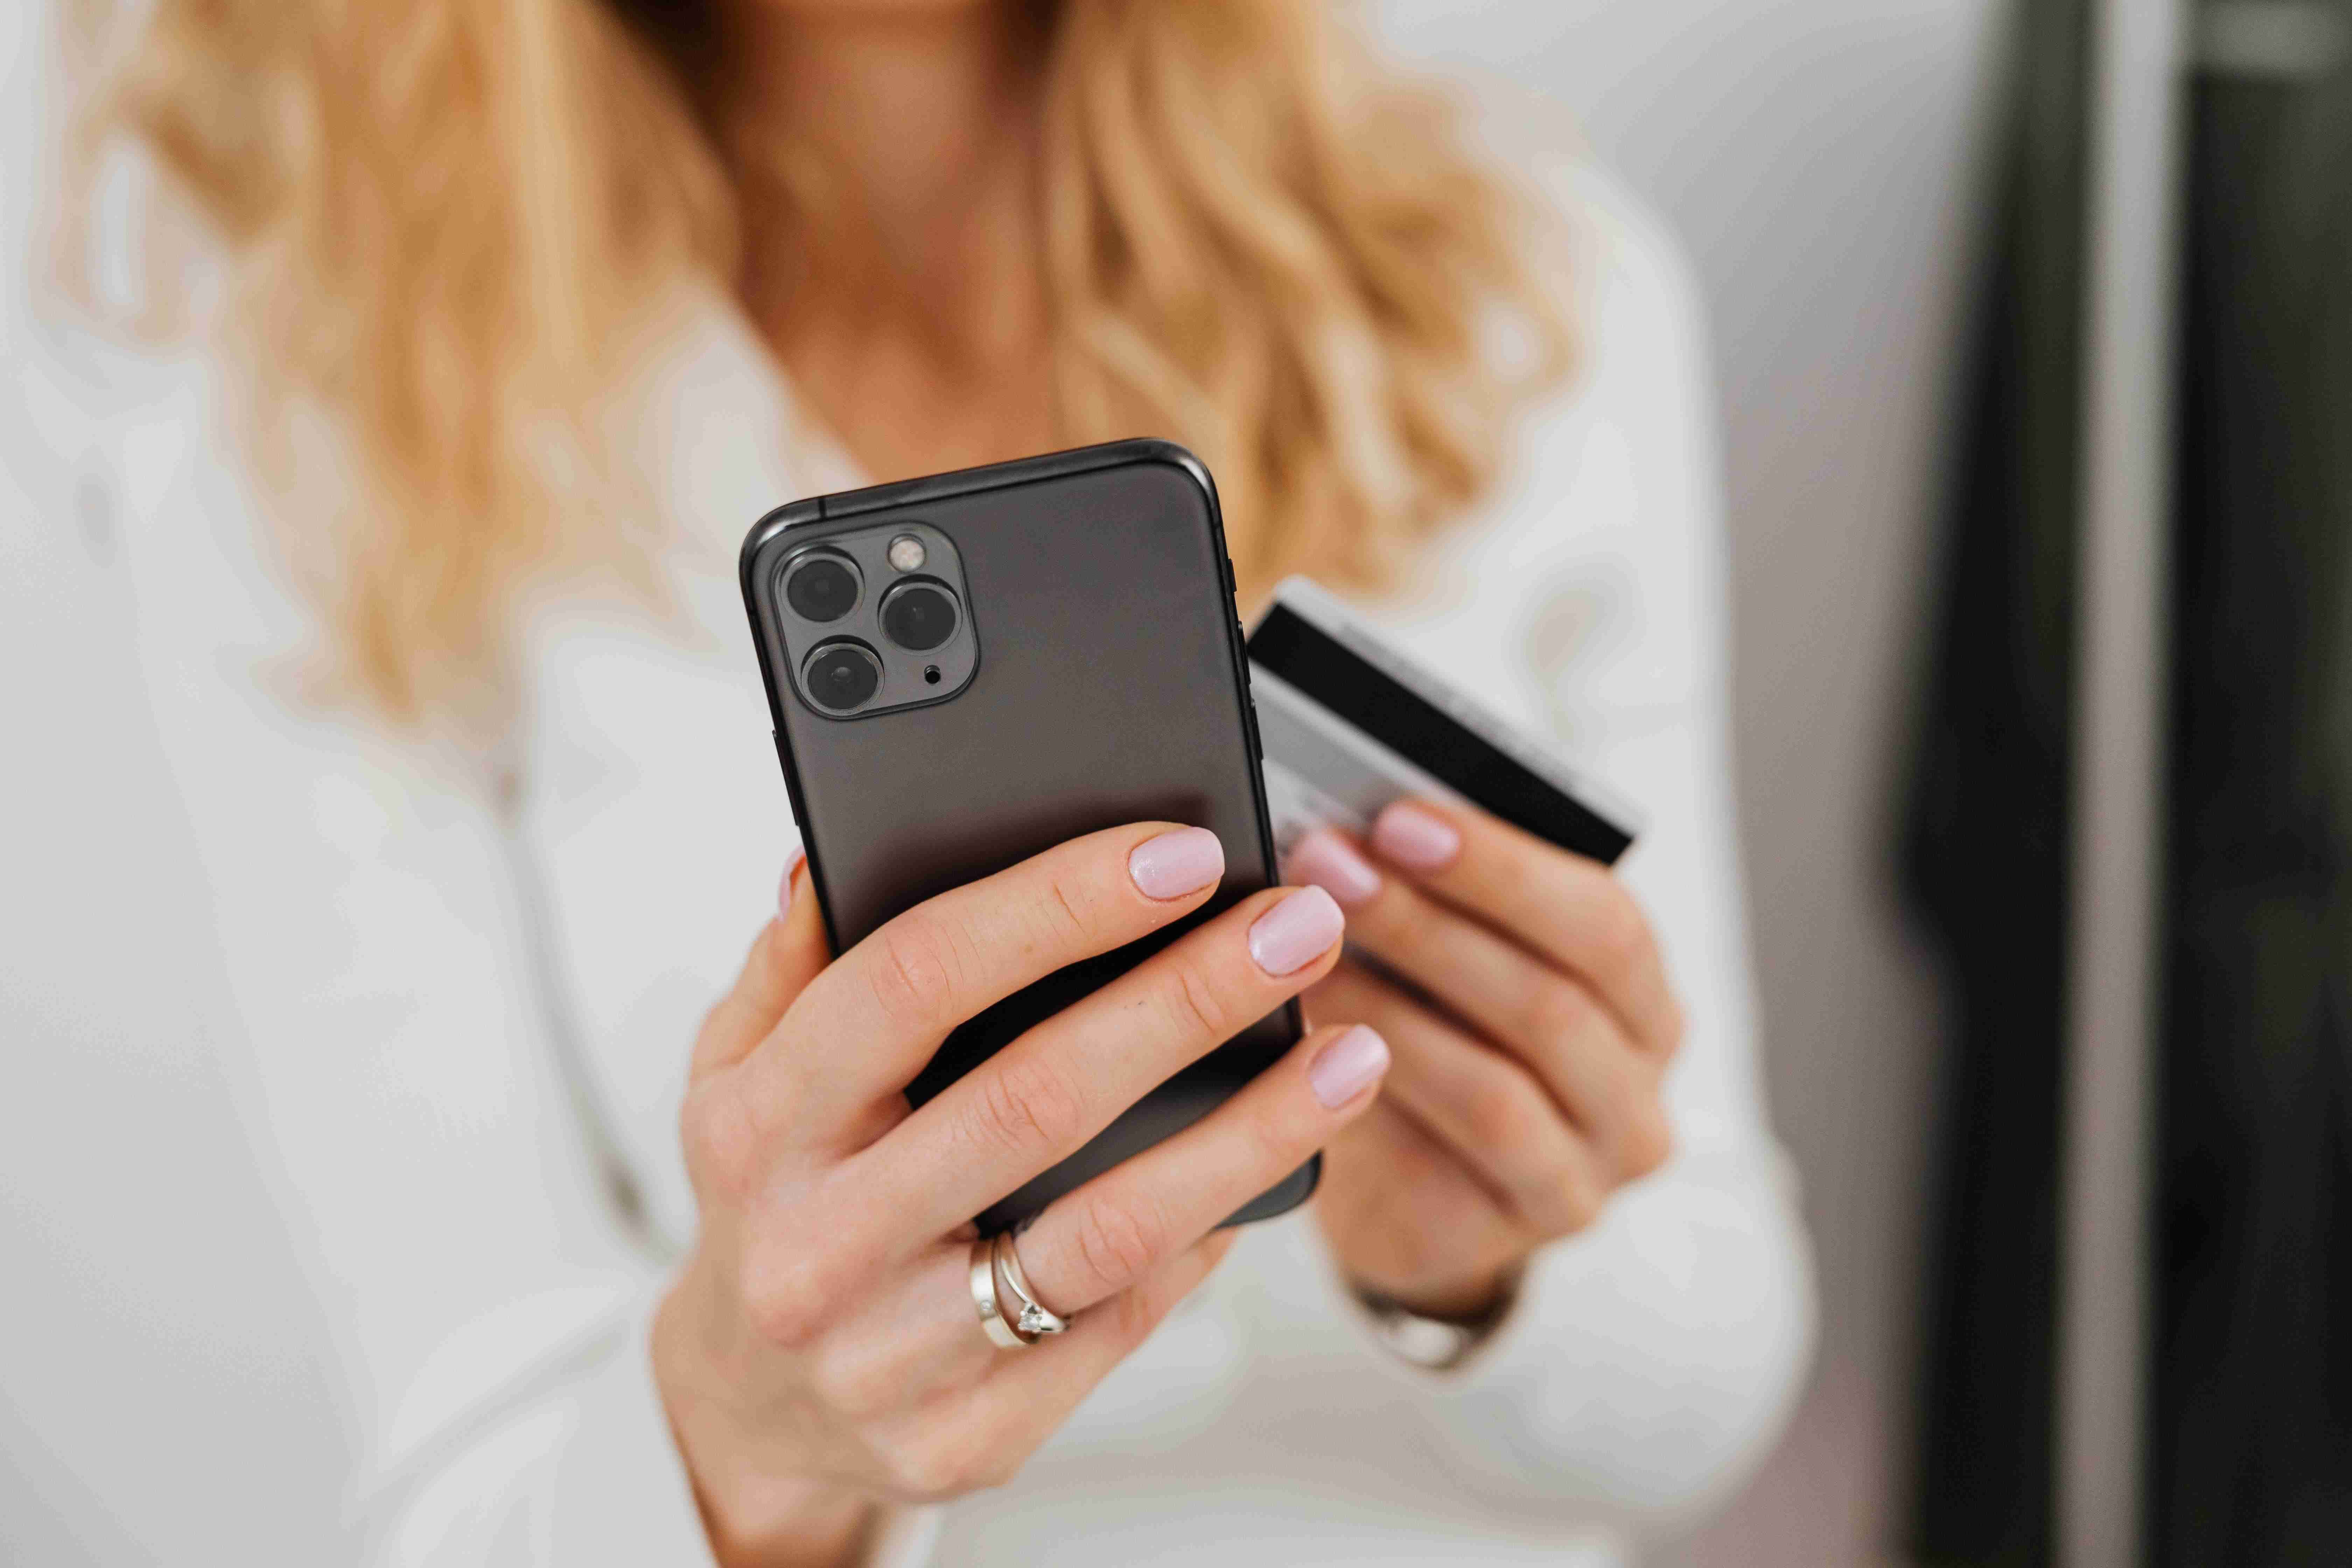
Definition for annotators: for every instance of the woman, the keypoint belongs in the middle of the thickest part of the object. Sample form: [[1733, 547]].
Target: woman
[[564, 294]]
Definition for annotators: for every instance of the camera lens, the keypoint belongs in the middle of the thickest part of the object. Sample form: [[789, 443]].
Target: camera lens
[[918, 615], [841, 677], [822, 587]]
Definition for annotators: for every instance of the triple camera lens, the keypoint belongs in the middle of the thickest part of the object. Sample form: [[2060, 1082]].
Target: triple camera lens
[[824, 587], [842, 677], [918, 615]]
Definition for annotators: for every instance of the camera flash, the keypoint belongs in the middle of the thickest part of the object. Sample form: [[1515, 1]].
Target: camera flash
[[906, 553]]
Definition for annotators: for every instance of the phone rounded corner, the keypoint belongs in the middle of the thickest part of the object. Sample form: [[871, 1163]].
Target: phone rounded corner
[[765, 532], [1173, 455]]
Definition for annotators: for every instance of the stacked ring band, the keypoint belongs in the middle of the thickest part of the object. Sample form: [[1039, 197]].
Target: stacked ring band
[[1035, 1321], [1010, 1314], [992, 1320]]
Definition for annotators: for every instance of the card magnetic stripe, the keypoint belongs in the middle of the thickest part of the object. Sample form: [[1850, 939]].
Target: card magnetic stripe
[[1400, 718]]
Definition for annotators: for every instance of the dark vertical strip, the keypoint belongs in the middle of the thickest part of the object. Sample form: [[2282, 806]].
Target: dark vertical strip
[[1989, 843], [2251, 1453]]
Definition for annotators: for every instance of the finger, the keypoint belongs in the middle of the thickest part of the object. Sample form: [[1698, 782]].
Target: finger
[[1040, 1098], [1109, 1331], [869, 1022], [1092, 1244], [978, 1433], [918, 1343], [1028, 1394], [1610, 1086], [1571, 909], [898, 1187], [1486, 1110], [786, 955], [907, 1342], [1575, 1048], [1503, 990]]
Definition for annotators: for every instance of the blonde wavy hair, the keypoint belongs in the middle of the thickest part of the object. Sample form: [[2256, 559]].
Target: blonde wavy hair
[[445, 220]]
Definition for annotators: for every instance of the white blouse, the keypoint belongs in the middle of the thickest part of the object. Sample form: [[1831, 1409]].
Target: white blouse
[[322, 1046]]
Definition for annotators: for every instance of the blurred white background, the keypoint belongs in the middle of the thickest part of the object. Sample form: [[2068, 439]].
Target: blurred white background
[[1820, 159]]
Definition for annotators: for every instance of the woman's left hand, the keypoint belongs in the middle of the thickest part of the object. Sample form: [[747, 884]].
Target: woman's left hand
[[1530, 1022]]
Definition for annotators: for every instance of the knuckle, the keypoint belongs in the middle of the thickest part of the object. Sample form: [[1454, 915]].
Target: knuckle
[[920, 1472], [720, 1137], [1618, 936], [1515, 880], [987, 1472], [855, 1386], [939, 1463], [1401, 919], [1067, 911], [911, 977], [1580, 1203], [1676, 1024], [1023, 1102], [1195, 1008], [1547, 1201], [1494, 1112], [1557, 1011], [1277, 1142], [1649, 1142], [1117, 1242], [786, 1294]]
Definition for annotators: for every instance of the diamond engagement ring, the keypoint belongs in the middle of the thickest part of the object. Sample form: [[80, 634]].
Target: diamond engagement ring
[[1034, 1320], [984, 1298]]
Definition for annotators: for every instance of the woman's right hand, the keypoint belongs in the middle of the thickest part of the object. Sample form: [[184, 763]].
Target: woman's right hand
[[821, 1351]]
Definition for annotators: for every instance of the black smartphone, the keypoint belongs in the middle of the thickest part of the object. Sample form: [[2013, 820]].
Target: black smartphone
[[968, 668]]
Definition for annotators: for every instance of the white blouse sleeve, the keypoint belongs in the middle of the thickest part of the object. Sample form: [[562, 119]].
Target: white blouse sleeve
[[1649, 1362], [579, 1467], [483, 1318], [575, 1465]]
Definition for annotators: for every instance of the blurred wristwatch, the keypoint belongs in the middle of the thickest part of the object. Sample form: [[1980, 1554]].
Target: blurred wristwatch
[[1437, 1344]]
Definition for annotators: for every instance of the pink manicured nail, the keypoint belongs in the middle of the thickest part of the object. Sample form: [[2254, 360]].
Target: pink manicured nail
[[784, 888], [1411, 837], [1346, 1066], [1296, 932], [1325, 860], [1178, 863]]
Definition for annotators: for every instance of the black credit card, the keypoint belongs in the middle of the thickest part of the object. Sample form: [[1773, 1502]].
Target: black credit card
[[1347, 723]]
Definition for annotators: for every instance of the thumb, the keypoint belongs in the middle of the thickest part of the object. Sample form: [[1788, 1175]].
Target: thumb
[[789, 951]]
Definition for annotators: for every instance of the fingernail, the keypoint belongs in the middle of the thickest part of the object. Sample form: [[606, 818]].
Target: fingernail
[[1347, 1066], [1296, 932], [1411, 837], [1325, 860], [784, 888], [1178, 863]]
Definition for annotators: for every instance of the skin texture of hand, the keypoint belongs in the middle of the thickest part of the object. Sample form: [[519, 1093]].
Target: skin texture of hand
[[1523, 993], [820, 1351]]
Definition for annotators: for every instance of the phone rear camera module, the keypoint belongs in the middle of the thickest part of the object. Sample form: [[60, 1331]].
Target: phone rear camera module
[[919, 616], [821, 587], [841, 678]]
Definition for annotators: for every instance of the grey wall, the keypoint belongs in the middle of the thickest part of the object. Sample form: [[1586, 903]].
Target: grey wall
[[1817, 156]]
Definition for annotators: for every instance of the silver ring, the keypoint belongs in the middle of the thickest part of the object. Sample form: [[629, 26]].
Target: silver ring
[[992, 1321], [1035, 1321]]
